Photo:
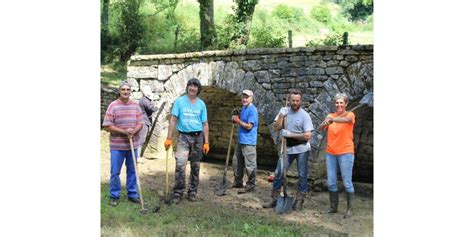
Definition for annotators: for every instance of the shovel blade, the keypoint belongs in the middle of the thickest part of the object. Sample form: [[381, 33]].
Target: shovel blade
[[220, 189], [368, 99], [284, 204]]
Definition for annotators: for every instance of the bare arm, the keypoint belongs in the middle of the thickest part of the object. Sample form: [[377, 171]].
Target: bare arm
[[339, 119], [342, 120], [171, 127], [245, 125], [129, 131], [306, 136], [324, 124], [205, 127], [113, 128], [277, 126]]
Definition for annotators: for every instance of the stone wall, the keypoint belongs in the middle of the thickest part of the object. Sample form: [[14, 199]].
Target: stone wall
[[220, 104], [107, 95], [319, 73]]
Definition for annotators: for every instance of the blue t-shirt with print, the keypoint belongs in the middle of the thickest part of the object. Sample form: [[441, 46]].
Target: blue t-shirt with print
[[248, 114], [190, 116]]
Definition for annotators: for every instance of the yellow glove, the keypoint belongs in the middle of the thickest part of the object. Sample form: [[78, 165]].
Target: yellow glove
[[168, 143], [205, 148]]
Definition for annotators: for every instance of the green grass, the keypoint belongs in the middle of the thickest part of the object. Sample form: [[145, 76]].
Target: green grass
[[202, 218]]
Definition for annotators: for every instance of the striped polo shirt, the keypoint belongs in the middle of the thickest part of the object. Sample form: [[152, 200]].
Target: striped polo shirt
[[124, 116]]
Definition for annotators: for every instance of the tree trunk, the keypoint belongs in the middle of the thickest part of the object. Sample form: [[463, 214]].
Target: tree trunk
[[208, 29], [104, 20], [244, 14]]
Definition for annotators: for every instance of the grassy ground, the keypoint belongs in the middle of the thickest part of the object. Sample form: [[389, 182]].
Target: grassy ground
[[193, 219], [203, 218]]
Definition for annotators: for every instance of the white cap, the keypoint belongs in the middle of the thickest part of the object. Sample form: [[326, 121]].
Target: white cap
[[247, 92]]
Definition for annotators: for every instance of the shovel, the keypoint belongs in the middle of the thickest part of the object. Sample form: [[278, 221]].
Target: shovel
[[142, 210], [221, 188], [285, 202]]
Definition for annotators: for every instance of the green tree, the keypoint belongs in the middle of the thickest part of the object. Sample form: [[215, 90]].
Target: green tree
[[208, 29], [243, 14], [358, 9], [130, 28], [105, 40]]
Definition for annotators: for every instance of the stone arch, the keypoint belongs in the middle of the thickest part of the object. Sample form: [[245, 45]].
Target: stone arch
[[319, 72]]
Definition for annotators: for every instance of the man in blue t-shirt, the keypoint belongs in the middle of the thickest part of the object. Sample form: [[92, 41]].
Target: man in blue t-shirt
[[246, 151], [189, 116]]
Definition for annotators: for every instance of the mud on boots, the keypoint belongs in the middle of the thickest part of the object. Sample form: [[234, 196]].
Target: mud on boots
[[298, 205], [274, 195], [350, 198], [333, 200]]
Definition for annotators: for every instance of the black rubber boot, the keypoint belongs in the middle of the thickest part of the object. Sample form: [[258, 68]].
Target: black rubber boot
[[350, 198], [298, 205], [333, 200], [272, 203]]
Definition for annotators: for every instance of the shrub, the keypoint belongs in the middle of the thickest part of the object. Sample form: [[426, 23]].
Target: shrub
[[330, 39], [266, 37], [290, 14], [321, 13]]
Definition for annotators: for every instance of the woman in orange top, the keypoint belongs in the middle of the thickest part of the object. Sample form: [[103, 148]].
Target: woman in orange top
[[339, 152]]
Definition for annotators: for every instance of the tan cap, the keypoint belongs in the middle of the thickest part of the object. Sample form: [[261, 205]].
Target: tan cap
[[247, 92]]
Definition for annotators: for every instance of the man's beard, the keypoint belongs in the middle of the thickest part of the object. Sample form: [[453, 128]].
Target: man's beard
[[295, 107]]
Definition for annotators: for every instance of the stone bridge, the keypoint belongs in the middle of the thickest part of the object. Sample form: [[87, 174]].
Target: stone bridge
[[319, 73]]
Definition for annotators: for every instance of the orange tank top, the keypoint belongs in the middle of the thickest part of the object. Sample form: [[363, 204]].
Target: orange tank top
[[340, 136]]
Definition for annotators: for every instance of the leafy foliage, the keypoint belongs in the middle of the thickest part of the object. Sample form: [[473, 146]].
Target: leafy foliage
[[290, 14], [358, 9], [243, 14], [321, 13], [130, 29], [330, 39], [265, 37], [150, 26]]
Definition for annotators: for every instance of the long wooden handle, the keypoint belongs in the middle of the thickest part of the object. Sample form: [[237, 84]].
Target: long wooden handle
[[136, 172], [228, 150], [166, 177]]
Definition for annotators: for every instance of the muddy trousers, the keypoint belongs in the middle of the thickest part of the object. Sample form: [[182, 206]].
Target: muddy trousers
[[180, 178], [189, 148]]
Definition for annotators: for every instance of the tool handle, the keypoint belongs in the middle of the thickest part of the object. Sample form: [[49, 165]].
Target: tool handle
[[136, 172], [228, 151], [166, 176]]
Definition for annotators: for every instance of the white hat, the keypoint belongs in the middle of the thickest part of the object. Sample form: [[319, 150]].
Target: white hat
[[247, 92]]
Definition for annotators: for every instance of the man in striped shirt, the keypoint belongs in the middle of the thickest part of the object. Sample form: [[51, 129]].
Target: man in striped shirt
[[123, 120]]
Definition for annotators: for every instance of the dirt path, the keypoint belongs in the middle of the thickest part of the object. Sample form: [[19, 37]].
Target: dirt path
[[152, 176]]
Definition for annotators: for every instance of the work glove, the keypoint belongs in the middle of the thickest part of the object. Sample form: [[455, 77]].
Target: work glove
[[168, 143], [205, 148], [283, 111], [235, 119], [286, 133]]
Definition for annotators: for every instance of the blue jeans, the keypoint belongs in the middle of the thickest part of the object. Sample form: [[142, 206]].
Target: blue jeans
[[116, 161], [302, 165], [345, 162]]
